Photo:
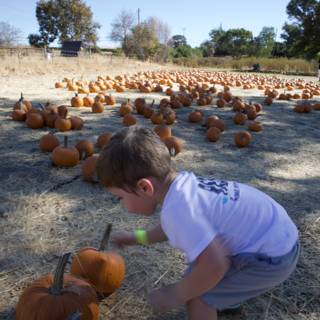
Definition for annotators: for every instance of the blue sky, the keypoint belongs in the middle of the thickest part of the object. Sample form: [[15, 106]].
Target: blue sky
[[194, 19]]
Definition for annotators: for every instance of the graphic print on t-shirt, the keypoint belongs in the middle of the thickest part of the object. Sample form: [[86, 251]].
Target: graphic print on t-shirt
[[228, 189]]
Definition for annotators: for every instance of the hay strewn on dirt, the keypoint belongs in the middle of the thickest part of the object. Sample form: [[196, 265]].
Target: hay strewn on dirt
[[36, 224]]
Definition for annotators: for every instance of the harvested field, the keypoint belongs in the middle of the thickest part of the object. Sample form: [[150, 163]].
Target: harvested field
[[45, 210]]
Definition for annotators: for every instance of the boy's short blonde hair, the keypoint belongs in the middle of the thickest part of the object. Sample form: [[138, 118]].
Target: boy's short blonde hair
[[131, 154]]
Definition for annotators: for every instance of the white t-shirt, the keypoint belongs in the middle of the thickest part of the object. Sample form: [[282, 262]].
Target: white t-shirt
[[196, 210]]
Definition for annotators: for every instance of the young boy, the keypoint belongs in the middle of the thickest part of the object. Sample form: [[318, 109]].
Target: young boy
[[238, 241]]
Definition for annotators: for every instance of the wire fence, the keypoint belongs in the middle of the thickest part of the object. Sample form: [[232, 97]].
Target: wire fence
[[28, 60]]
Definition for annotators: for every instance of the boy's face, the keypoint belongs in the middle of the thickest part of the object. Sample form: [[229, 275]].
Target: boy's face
[[139, 202]]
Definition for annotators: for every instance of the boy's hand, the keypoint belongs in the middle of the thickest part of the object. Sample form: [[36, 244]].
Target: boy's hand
[[123, 238], [164, 299]]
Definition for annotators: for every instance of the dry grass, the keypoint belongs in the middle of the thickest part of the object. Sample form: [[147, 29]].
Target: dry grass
[[34, 63], [272, 65], [41, 217]]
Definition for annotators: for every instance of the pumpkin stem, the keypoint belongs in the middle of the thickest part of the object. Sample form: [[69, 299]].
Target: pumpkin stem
[[65, 141], [21, 97], [58, 275], [105, 239]]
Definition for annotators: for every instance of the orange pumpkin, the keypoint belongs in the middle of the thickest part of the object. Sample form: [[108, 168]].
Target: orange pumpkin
[[105, 271], [34, 120], [76, 101], [97, 107], [242, 138], [196, 116], [163, 131], [48, 142], [88, 169], [126, 107], [85, 148], [213, 134], [88, 101], [255, 126], [76, 123], [129, 120], [239, 118], [64, 156], [174, 145], [57, 296], [103, 139]]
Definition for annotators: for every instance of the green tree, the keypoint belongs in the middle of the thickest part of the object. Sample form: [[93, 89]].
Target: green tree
[[302, 35], [142, 42], [239, 41], [263, 43], [279, 50], [177, 40], [64, 20], [207, 48], [234, 42]]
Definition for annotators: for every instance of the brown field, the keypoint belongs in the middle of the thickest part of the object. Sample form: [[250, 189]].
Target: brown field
[[45, 211]]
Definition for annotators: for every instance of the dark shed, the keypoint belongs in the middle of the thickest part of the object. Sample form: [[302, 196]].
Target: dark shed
[[71, 48]]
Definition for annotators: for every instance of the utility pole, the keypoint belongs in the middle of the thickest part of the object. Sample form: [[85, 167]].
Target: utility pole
[[138, 16]]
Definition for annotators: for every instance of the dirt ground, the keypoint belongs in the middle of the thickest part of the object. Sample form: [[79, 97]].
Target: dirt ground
[[45, 211]]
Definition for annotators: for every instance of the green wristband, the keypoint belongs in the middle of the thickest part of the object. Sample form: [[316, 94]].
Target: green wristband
[[141, 236]]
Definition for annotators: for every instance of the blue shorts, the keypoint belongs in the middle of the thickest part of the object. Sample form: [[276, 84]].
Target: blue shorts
[[250, 275]]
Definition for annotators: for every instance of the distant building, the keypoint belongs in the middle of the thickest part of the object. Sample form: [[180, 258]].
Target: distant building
[[71, 48]]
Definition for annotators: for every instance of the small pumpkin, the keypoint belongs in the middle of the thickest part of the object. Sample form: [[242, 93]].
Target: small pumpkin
[[163, 131], [156, 117], [97, 107], [218, 123], [88, 101], [255, 126], [213, 134], [76, 123], [77, 101], [239, 118], [139, 103], [110, 100], [34, 120], [48, 142], [129, 120], [148, 110], [85, 148], [19, 114], [22, 102], [88, 169], [62, 124], [221, 103], [126, 108], [57, 296], [242, 138], [174, 145], [195, 116], [103, 139], [64, 156], [50, 116], [105, 271]]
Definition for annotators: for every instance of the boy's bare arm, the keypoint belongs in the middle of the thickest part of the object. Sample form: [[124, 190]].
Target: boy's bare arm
[[156, 234], [124, 238], [209, 268]]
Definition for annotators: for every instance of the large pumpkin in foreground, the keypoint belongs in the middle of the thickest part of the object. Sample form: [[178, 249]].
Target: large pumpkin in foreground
[[56, 297], [105, 271]]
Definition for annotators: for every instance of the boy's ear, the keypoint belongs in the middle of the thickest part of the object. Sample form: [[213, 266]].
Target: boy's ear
[[145, 186]]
